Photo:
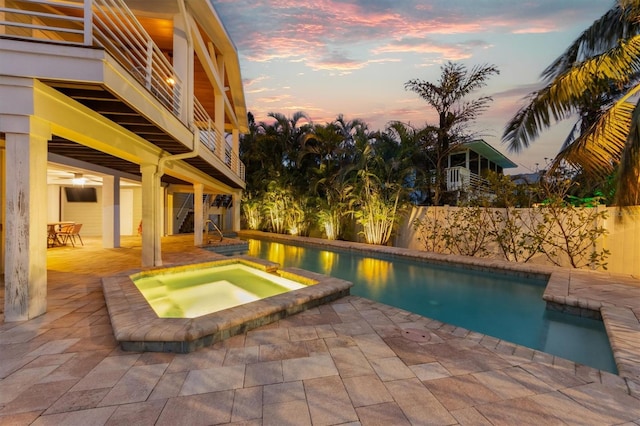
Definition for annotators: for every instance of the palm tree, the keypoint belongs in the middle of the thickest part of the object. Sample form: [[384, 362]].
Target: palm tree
[[327, 154], [447, 97], [416, 146], [595, 80], [381, 189]]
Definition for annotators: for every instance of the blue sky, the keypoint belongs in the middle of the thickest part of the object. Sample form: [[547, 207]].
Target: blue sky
[[352, 57]]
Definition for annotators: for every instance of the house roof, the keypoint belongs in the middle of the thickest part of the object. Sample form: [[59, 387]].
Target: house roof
[[487, 151]]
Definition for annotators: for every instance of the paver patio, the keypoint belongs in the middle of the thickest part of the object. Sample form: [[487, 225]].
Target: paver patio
[[353, 361]]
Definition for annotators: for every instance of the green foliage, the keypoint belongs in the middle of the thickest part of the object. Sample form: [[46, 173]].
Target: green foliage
[[252, 210], [563, 232], [347, 171], [275, 204], [470, 239], [595, 82], [448, 98], [455, 231], [568, 231], [299, 215], [379, 208]]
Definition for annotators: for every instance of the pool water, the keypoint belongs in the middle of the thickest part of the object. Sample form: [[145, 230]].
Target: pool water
[[497, 304], [192, 293]]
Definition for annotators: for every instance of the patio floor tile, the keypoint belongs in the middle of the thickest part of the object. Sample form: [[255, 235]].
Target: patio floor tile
[[197, 410], [349, 362], [328, 401]]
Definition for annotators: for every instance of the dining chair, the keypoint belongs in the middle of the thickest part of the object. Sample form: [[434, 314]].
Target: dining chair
[[69, 233]]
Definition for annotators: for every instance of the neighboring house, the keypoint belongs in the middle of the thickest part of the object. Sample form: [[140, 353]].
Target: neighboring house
[[469, 162], [142, 93]]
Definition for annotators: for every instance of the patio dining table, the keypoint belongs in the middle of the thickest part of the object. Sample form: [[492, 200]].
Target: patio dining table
[[53, 240]]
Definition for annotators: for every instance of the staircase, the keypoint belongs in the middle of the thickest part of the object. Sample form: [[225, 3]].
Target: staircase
[[187, 224], [185, 215]]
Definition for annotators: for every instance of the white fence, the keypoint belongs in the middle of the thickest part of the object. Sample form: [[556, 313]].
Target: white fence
[[622, 237]]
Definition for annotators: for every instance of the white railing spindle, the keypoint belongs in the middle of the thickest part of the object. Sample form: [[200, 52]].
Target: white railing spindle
[[110, 24]]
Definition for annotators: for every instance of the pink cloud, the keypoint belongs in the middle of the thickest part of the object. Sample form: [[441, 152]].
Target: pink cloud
[[448, 51]]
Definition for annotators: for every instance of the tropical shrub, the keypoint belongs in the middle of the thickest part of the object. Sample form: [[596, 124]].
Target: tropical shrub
[[559, 230], [565, 231], [252, 210], [379, 208]]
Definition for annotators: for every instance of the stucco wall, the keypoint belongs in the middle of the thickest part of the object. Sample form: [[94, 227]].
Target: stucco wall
[[622, 238]]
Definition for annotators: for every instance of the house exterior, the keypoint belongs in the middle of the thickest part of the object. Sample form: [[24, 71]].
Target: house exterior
[[468, 163], [139, 94]]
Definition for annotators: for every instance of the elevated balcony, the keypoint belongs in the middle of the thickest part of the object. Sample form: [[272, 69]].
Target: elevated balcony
[[462, 179], [110, 83]]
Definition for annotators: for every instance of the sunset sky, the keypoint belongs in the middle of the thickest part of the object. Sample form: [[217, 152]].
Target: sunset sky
[[352, 57]]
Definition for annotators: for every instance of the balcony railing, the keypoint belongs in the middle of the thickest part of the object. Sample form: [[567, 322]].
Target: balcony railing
[[214, 140], [110, 24], [461, 178]]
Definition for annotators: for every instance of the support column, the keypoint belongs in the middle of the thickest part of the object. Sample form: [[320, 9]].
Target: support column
[[198, 213], [151, 249], [237, 204], [218, 113], [26, 223], [170, 213], [182, 64], [111, 211], [235, 150]]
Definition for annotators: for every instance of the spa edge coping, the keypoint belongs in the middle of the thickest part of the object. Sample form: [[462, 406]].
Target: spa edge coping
[[138, 328], [621, 318]]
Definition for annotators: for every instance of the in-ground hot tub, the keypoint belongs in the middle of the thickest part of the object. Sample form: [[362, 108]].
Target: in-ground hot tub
[[191, 306], [203, 289]]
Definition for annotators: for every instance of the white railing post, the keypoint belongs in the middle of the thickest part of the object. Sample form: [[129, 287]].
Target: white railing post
[[149, 64], [88, 22]]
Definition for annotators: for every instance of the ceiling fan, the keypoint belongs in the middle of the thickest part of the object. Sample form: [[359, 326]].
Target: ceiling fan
[[80, 179]]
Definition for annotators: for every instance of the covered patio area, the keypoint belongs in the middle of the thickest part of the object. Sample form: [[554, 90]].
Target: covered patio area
[[353, 361]]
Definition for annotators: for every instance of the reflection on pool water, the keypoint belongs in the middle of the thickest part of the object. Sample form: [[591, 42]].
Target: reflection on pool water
[[497, 304]]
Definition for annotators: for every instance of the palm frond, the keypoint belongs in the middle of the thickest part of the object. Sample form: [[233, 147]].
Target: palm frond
[[571, 137], [628, 193], [618, 23], [563, 96], [600, 148], [526, 125]]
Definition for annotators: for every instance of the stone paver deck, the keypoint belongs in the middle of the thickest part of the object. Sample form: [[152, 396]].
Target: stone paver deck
[[353, 361], [613, 298]]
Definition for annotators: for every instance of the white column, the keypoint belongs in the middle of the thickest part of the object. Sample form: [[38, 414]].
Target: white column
[[170, 213], [110, 211], [218, 105], [26, 223], [182, 64], [235, 145], [151, 249], [198, 213], [237, 200]]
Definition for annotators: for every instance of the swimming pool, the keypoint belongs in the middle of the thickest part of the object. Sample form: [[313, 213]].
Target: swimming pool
[[502, 305]]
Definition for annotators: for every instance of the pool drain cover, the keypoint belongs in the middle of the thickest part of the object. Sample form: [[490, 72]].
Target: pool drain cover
[[416, 334]]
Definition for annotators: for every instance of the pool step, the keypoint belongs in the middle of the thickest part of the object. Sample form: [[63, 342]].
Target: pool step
[[239, 247]]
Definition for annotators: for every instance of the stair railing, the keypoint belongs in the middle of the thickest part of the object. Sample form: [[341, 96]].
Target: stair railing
[[215, 227]]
